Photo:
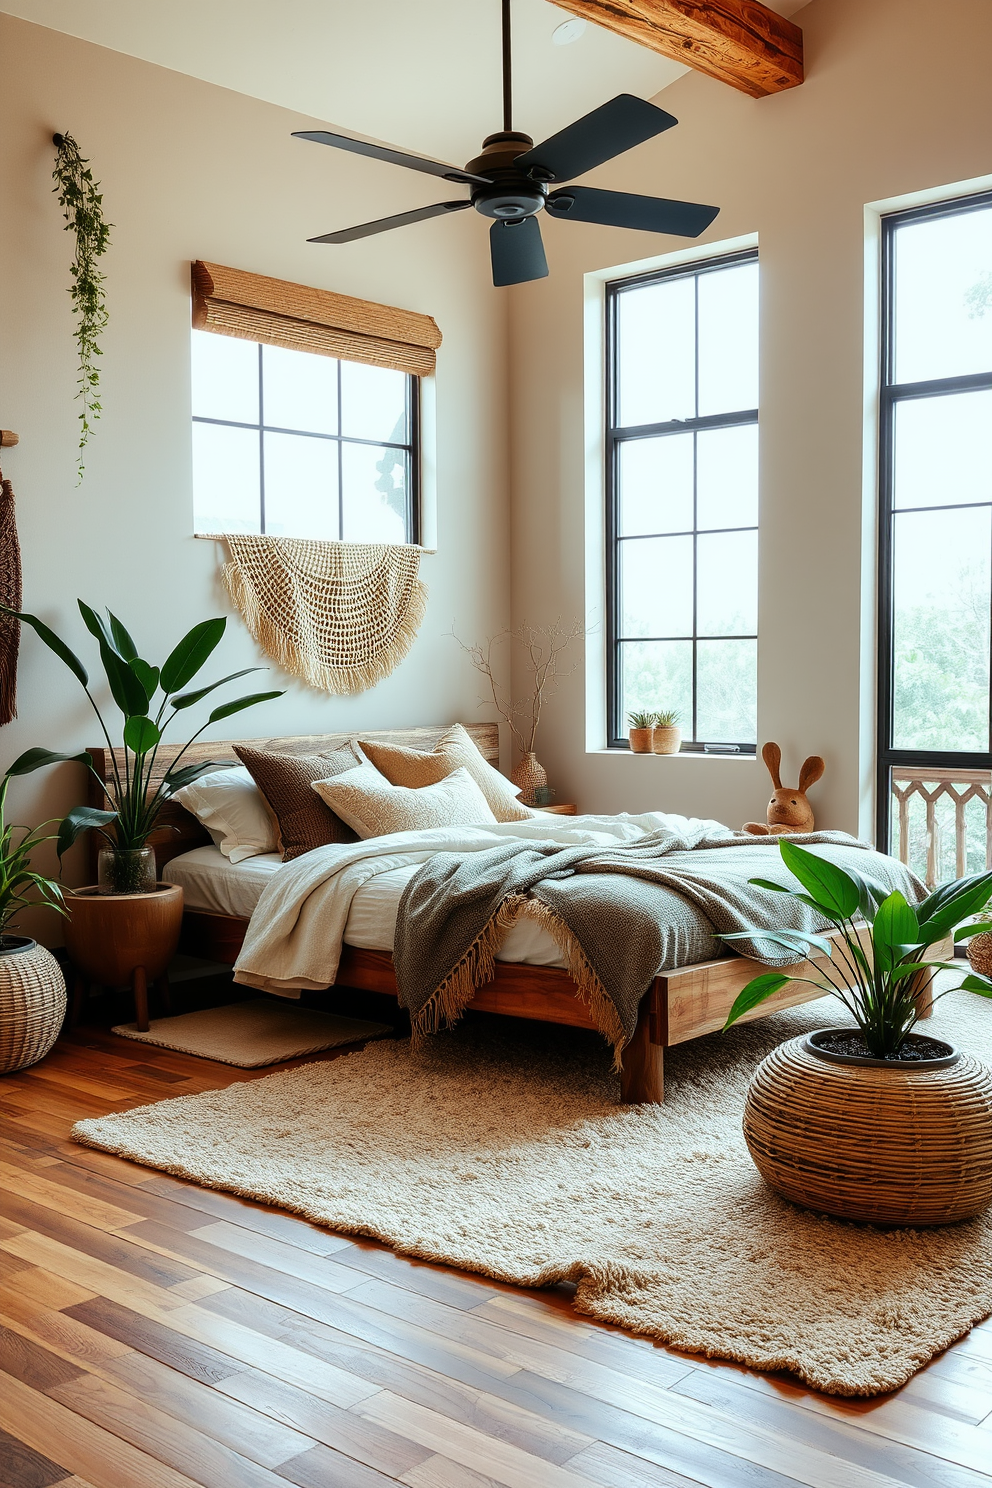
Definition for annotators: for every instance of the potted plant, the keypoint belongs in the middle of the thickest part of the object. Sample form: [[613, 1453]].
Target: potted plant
[[640, 733], [126, 861], [877, 1121], [32, 989], [667, 734]]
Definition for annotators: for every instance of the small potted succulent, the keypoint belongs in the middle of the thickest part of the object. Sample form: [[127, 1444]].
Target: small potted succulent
[[667, 734], [641, 732], [875, 1121]]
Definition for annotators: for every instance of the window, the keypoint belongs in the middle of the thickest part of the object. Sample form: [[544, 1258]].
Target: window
[[935, 499], [298, 444], [682, 500]]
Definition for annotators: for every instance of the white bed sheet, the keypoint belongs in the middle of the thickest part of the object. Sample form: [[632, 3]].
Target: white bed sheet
[[212, 882]]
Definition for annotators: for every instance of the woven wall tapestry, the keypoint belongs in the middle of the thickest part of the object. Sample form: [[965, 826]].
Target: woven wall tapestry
[[10, 595], [340, 615]]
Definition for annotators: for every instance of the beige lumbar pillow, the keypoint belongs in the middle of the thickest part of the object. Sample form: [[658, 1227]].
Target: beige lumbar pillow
[[374, 808], [454, 750]]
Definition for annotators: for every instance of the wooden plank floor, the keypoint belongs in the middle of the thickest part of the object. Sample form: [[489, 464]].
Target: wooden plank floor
[[156, 1335]]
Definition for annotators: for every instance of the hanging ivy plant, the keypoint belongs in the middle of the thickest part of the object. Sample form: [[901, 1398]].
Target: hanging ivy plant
[[82, 206]]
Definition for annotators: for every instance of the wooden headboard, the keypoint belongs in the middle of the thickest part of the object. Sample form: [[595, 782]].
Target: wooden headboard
[[179, 832]]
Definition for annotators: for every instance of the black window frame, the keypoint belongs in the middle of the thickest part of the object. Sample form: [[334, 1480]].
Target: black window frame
[[410, 449], [616, 435], [891, 394]]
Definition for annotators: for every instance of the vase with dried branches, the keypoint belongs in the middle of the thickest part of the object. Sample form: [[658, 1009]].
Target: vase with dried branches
[[543, 646]]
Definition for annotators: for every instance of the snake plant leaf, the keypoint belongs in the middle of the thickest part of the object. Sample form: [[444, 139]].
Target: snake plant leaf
[[141, 735], [187, 699], [186, 659], [239, 704], [756, 991], [53, 643], [36, 759], [125, 687], [834, 891], [897, 930], [122, 639], [174, 780], [978, 984], [81, 819], [945, 907]]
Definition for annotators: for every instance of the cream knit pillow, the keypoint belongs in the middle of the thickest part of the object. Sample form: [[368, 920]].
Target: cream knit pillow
[[374, 808], [456, 748]]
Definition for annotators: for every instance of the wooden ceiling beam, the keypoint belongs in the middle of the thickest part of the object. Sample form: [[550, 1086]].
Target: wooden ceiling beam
[[741, 42]]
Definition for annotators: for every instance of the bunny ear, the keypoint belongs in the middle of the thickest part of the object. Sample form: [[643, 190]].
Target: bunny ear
[[772, 756], [811, 771]]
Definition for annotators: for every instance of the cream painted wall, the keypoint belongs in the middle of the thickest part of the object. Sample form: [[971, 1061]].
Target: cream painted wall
[[887, 109], [191, 170]]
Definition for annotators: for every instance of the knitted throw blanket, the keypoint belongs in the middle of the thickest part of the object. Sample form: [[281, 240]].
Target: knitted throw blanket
[[10, 595], [340, 615], [603, 909]]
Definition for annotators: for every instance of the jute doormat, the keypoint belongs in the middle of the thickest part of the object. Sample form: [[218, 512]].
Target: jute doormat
[[501, 1149], [252, 1034]]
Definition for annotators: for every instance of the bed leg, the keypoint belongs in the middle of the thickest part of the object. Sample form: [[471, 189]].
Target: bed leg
[[642, 1072]]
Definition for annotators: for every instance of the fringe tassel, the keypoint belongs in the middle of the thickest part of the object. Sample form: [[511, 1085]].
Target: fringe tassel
[[589, 989], [478, 965]]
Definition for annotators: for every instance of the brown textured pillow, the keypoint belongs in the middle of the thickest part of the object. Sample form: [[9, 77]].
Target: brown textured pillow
[[455, 749], [284, 780]]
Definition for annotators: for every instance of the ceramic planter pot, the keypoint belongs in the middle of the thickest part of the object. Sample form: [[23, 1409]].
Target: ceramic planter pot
[[890, 1143], [667, 739], [32, 1002], [641, 740]]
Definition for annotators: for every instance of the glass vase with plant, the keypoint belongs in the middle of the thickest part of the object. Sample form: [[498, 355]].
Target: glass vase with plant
[[150, 698], [876, 973]]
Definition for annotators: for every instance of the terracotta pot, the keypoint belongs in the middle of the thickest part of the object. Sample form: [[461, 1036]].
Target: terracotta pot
[[886, 1142], [124, 939], [32, 1002], [667, 739], [530, 775], [641, 740]]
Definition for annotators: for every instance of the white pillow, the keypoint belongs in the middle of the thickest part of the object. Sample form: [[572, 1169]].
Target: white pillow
[[373, 808], [231, 807]]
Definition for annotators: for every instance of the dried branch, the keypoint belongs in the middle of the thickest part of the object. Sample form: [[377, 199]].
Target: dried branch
[[544, 645]]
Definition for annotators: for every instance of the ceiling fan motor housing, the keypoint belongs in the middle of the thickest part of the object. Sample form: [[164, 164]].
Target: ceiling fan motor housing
[[513, 193]]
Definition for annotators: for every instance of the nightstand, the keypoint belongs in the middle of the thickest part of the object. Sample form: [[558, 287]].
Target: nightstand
[[569, 810]]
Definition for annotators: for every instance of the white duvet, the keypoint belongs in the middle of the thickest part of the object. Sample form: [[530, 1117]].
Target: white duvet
[[296, 932]]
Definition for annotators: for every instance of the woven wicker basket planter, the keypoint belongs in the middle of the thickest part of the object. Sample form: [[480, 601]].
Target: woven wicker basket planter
[[980, 953], [886, 1143], [32, 1003], [530, 775]]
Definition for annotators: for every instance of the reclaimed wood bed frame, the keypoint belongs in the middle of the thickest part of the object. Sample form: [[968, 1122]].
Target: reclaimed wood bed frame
[[679, 1005]]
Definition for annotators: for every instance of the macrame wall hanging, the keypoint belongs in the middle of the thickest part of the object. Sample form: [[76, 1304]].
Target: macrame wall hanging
[[10, 595], [341, 616]]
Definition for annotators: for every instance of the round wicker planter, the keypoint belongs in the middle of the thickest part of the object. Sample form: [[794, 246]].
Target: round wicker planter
[[892, 1144], [641, 741], [32, 1003], [980, 953], [667, 739], [530, 775]]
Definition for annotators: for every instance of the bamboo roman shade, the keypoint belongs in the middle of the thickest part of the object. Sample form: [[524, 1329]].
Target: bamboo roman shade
[[256, 308]]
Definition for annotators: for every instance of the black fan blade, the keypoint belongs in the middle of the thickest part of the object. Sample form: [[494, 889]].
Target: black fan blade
[[620, 209], [611, 129], [517, 251], [385, 224], [393, 157]]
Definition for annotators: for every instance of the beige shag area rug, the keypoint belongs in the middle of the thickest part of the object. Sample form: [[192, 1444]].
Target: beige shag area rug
[[252, 1034], [500, 1148]]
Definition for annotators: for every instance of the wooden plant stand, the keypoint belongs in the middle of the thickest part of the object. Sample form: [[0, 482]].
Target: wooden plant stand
[[122, 940]]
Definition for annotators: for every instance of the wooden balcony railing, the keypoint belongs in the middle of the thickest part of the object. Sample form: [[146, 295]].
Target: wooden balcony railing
[[930, 809]]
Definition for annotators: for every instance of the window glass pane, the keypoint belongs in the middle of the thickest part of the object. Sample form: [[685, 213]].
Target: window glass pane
[[299, 390], [373, 403], [656, 676], [727, 689], [375, 494], [940, 567], [656, 485], [656, 586], [728, 340], [943, 296], [301, 486], [727, 477], [225, 479], [656, 332], [943, 450], [727, 583], [225, 377]]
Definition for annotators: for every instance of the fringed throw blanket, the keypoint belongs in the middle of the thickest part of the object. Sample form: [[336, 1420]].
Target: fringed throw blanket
[[340, 615], [603, 909], [10, 595]]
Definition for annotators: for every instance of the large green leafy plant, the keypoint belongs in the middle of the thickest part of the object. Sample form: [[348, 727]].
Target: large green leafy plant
[[877, 980], [150, 698]]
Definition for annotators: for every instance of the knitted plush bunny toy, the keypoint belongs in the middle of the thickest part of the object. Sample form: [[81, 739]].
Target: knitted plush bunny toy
[[788, 810]]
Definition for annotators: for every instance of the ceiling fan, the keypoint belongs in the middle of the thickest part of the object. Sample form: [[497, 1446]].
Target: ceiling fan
[[510, 181]]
